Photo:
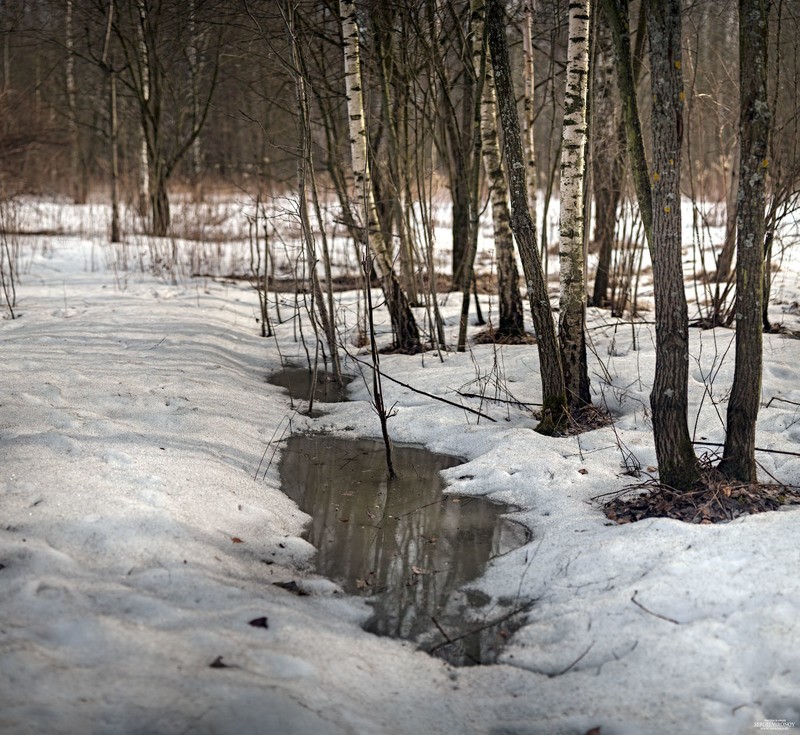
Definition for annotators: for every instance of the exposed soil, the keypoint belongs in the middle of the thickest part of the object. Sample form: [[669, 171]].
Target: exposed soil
[[588, 418], [492, 336]]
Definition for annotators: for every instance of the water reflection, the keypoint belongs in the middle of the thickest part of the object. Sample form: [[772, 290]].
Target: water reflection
[[297, 380], [403, 542]]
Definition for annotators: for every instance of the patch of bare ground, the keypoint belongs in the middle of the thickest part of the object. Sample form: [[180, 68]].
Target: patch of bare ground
[[493, 336], [716, 500], [586, 419]]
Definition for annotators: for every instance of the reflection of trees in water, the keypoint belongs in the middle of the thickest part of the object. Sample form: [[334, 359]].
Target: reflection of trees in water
[[402, 541]]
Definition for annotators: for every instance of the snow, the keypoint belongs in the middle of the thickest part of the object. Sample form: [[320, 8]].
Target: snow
[[137, 543]]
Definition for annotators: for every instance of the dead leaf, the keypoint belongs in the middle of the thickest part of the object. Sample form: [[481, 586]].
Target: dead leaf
[[583, 471], [236, 540], [291, 587], [259, 622], [217, 664]]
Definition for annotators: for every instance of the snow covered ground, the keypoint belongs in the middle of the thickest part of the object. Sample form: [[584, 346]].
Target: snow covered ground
[[136, 545]]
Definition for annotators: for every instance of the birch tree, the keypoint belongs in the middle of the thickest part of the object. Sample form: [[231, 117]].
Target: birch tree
[[739, 461], [572, 312], [554, 398], [511, 324], [404, 325]]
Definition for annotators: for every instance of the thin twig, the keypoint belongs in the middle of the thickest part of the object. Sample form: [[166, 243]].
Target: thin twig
[[522, 608], [663, 617], [782, 400], [449, 640], [758, 449], [575, 662], [496, 400]]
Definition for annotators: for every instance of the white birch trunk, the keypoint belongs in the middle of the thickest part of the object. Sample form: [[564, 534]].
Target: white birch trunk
[[573, 290], [364, 197], [403, 323]]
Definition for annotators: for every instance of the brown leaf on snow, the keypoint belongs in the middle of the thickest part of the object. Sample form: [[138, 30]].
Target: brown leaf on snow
[[292, 587], [583, 471], [236, 540]]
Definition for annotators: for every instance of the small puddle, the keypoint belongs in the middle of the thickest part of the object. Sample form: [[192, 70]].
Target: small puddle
[[404, 543], [297, 380]]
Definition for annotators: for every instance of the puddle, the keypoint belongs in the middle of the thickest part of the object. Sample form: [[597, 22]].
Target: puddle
[[297, 380], [404, 544]]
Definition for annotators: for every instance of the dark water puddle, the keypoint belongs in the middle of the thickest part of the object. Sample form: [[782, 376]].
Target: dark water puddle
[[403, 543], [297, 380]]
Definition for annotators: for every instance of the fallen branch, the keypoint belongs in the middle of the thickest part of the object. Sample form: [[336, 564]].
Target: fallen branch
[[516, 611], [758, 449], [496, 400], [449, 640], [422, 392], [782, 400]]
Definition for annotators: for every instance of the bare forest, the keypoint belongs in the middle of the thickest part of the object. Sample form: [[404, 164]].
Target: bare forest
[[385, 122], [542, 253]]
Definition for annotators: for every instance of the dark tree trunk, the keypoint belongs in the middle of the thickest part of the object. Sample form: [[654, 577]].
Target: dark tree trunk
[[739, 461], [616, 12], [677, 463], [159, 201], [554, 397], [608, 161]]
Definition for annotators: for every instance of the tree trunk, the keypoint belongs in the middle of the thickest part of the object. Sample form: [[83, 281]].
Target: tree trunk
[[529, 98], [677, 464], [159, 202], [572, 312], [144, 61], [115, 231], [553, 392], [739, 461], [608, 162], [511, 320], [77, 170], [403, 323], [616, 12]]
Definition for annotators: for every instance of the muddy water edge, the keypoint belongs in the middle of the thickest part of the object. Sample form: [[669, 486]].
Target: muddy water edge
[[403, 543]]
